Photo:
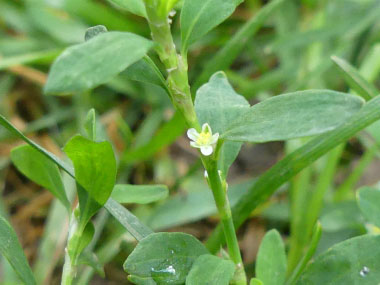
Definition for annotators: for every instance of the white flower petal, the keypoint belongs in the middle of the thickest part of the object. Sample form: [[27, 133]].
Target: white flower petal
[[206, 128], [192, 134], [206, 150], [215, 138], [194, 144]]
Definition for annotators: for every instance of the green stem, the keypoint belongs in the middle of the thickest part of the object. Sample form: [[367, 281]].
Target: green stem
[[219, 190], [175, 64], [178, 85]]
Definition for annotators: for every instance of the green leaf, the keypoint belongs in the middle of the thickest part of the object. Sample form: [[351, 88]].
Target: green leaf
[[271, 259], [41, 170], [354, 79], [165, 257], [168, 133], [146, 71], [82, 240], [134, 6], [316, 236], [141, 280], [94, 31], [294, 115], [217, 104], [354, 261], [140, 194], [127, 220], [11, 249], [209, 269], [198, 17], [369, 203], [6, 124], [233, 48], [95, 166], [130, 222], [292, 164], [255, 281], [87, 65], [90, 259], [90, 125]]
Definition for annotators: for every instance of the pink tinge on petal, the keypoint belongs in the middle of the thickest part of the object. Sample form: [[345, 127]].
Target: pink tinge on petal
[[206, 150], [192, 134]]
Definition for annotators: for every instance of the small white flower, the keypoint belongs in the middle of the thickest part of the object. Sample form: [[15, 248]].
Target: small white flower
[[205, 140]]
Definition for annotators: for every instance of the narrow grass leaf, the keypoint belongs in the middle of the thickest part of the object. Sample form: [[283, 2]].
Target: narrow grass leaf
[[353, 78], [127, 220], [230, 51], [94, 62], [271, 259], [41, 170], [11, 249], [294, 115], [198, 17], [210, 269], [139, 194], [165, 257]]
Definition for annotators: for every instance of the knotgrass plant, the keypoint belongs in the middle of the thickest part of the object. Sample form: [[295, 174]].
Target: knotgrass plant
[[218, 122]]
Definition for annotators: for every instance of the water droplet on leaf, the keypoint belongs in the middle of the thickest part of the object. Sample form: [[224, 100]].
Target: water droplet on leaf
[[364, 271]]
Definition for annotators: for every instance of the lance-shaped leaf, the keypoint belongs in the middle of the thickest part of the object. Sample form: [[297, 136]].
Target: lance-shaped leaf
[[94, 165], [354, 79], [271, 259], [292, 164], [41, 170], [11, 249], [198, 17], [354, 261], [294, 115], [134, 6], [94, 62], [140, 194], [218, 104]]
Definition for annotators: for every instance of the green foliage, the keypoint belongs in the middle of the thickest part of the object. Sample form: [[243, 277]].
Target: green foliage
[[34, 165], [271, 259], [87, 65], [355, 80], [369, 203], [208, 269], [164, 257], [139, 194], [11, 249], [355, 261], [293, 115], [199, 17], [95, 166], [134, 6]]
